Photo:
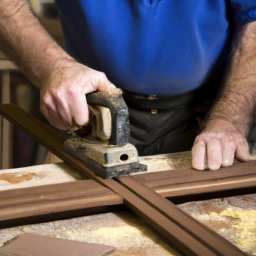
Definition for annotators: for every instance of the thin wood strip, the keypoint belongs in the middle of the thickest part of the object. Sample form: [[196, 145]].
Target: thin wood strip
[[7, 65], [173, 177], [195, 188], [25, 202], [6, 143], [205, 236], [192, 182], [169, 228]]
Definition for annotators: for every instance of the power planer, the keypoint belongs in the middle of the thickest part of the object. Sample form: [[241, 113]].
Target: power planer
[[106, 150]]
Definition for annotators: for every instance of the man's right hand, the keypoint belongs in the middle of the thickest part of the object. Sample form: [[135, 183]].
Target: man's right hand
[[62, 81], [62, 94]]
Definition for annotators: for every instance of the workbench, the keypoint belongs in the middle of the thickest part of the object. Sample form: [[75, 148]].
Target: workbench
[[234, 217]]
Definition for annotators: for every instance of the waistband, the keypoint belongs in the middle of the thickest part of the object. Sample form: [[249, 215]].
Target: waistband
[[144, 101]]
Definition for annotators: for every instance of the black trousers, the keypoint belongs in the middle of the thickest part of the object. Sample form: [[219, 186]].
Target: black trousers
[[166, 124]]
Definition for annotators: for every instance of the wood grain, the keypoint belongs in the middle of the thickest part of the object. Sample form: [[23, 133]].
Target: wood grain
[[186, 232], [25, 202], [192, 182], [172, 228]]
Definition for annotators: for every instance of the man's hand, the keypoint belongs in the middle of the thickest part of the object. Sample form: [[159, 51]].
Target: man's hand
[[217, 146], [62, 94], [230, 119], [62, 81]]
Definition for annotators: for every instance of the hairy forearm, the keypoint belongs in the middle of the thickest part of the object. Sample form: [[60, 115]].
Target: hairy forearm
[[238, 98], [26, 42]]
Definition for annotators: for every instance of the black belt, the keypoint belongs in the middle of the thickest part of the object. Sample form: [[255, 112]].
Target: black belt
[[144, 101]]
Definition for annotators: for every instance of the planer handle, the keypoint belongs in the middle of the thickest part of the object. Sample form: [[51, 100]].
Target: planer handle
[[120, 129]]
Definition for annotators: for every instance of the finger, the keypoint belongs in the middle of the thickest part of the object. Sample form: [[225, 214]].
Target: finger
[[228, 152], [64, 111], [199, 156], [110, 89], [242, 150], [49, 110], [78, 108], [104, 85], [214, 154]]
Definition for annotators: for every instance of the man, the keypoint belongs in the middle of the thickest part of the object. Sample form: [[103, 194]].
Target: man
[[168, 57]]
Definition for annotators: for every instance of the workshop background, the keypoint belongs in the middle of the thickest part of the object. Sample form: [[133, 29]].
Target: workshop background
[[16, 148]]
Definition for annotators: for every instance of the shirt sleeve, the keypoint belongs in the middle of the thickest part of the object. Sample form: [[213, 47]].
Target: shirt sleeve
[[243, 9]]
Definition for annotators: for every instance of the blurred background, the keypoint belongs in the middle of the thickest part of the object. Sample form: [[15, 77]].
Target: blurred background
[[16, 148]]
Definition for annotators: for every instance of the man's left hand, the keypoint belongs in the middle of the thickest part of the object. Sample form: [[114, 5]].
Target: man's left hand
[[217, 145]]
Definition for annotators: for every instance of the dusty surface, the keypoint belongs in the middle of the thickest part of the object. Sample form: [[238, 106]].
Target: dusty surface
[[166, 162], [123, 230], [172, 161], [234, 218], [37, 175]]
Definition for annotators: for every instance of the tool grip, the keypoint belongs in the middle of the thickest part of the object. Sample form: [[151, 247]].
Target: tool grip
[[120, 129]]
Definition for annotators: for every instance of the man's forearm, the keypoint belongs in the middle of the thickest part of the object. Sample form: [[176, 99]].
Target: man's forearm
[[238, 98], [229, 122], [26, 42]]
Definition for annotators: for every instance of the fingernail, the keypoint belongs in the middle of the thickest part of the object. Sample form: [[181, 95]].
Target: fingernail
[[225, 161], [215, 167]]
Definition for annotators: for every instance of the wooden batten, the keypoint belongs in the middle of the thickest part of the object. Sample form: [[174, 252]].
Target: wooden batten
[[189, 236], [55, 198]]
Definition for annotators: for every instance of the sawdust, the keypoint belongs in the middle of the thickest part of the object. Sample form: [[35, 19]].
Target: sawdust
[[233, 218], [180, 163], [123, 230], [245, 225], [164, 164]]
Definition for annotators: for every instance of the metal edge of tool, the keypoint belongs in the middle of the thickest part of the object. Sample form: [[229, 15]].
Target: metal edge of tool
[[105, 172]]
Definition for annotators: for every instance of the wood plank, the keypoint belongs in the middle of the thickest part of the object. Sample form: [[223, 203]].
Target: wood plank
[[56, 198], [7, 65], [37, 175], [185, 229], [6, 127], [136, 200], [191, 182], [174, 161]]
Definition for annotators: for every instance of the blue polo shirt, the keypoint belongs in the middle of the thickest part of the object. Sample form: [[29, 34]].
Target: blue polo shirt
[[159, 47]]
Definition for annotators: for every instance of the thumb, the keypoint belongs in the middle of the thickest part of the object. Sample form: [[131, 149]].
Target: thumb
[[105, 86]]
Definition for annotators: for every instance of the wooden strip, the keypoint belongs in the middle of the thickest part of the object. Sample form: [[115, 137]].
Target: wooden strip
[[171, 229], [7, 65], [216, 245], [25, 202], [211, 186], [189, 175], [191, 182], [6, 133]]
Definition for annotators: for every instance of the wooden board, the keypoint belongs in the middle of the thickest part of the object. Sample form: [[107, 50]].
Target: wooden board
[[129, 234], [135, 198], [37, 175], [55, 198], [191, 182]]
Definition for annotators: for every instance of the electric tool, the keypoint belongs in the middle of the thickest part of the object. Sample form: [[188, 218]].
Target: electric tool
[[106, 150]]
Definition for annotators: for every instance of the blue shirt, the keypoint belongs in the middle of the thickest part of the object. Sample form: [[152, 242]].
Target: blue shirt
[[165, 47]]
